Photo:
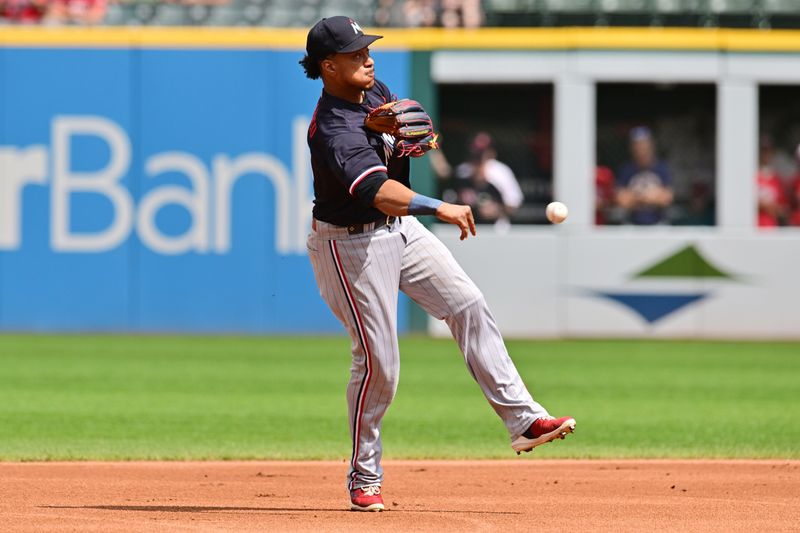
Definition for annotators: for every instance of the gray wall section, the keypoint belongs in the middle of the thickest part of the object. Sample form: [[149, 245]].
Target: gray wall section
[[737, 130]]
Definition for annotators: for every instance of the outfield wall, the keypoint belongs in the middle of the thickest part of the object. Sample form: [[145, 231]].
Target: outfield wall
[[156, 189], [158, 180]]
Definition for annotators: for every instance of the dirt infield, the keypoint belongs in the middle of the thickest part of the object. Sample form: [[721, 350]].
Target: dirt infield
[[516, 495]]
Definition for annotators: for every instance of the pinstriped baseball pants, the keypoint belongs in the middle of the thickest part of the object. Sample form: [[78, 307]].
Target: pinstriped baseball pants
[[359, 277]]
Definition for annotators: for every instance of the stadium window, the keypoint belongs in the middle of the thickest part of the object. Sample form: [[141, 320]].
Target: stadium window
[[497, 157], [778, 174], [656, 154]]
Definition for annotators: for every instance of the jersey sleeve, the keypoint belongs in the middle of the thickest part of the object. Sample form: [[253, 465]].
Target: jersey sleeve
[[357, 166]]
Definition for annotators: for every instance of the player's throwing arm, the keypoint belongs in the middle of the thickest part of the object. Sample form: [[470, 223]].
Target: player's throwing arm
[[394, 198], [412, 129]]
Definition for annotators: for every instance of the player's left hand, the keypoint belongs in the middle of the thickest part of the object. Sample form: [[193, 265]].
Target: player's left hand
[[408, 123], [460, 215]]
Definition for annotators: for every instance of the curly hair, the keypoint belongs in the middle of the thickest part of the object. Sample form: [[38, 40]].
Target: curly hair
[[311, 66]]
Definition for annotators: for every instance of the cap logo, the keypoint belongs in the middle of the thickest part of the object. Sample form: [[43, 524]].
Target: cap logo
[[355, 26]]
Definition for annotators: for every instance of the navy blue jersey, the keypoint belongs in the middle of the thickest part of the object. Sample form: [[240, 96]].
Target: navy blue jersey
[[350, 162], [632, 176]]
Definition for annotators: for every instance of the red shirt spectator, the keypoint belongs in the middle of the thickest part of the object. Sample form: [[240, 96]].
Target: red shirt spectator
[[78, 11], [772, 200], [604, 193], [794, 217], [23, 11]]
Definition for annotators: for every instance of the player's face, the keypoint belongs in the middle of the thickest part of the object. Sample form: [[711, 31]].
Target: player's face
[[356, 69]]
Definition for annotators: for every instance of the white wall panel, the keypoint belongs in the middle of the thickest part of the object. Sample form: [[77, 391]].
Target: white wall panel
[[542, 282]]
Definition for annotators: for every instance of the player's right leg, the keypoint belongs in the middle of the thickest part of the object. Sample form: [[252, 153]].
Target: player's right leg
[[358, 277]]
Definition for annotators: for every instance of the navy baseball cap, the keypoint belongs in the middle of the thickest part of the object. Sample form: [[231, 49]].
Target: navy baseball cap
[[640, 132], [337, 35]]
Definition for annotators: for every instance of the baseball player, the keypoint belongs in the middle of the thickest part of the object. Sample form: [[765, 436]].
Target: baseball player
[[366, 245]]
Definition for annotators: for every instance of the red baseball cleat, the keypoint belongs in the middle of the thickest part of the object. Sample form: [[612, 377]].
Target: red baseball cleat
[[543, 430], [366, 499]]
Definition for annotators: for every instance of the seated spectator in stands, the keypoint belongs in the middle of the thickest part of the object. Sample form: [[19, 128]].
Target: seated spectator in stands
[[78, 12], [485, 200], [604, 194], [428, 13], [461, 13], [387, 13], [441, 167], [772, 201], [644, 184], [794, 217], [23, 11], [419, 13], [486, 184]]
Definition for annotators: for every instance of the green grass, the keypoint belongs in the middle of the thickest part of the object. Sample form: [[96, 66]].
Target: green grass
[[127, 397]]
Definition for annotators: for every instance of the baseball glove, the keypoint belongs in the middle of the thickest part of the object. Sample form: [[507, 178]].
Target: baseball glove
[[408, 122]]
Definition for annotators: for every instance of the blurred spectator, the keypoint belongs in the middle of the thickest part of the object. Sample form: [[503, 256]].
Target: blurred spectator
[[461, 13], [644, 184], [387, 12], [781, 161], [794, 217], [441, 166], [428, 13], [484, 198], [23, 11], [79, 12], [419, 13], [604, 194], [486, 184], [772, 201]]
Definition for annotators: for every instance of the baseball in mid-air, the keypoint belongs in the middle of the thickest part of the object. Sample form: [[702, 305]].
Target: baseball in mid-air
[[556, 212]]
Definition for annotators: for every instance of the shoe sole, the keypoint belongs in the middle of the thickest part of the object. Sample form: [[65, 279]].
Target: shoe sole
[[375, 507], [523, 444]]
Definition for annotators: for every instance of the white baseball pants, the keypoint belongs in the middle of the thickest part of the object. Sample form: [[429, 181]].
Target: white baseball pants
[[359, 277]]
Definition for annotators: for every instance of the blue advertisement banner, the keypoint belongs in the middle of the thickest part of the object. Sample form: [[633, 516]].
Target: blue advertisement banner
[[160, 190]]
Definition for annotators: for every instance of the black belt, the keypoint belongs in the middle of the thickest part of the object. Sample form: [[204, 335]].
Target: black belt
[[355, 229]]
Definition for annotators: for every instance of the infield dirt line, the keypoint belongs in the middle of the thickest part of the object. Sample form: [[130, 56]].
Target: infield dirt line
[[546, 495]]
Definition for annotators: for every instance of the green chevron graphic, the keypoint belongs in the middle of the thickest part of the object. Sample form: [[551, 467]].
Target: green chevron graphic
[[686, 263]]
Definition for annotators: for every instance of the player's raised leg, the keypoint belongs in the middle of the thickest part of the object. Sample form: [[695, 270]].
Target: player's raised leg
[[433, 278]]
